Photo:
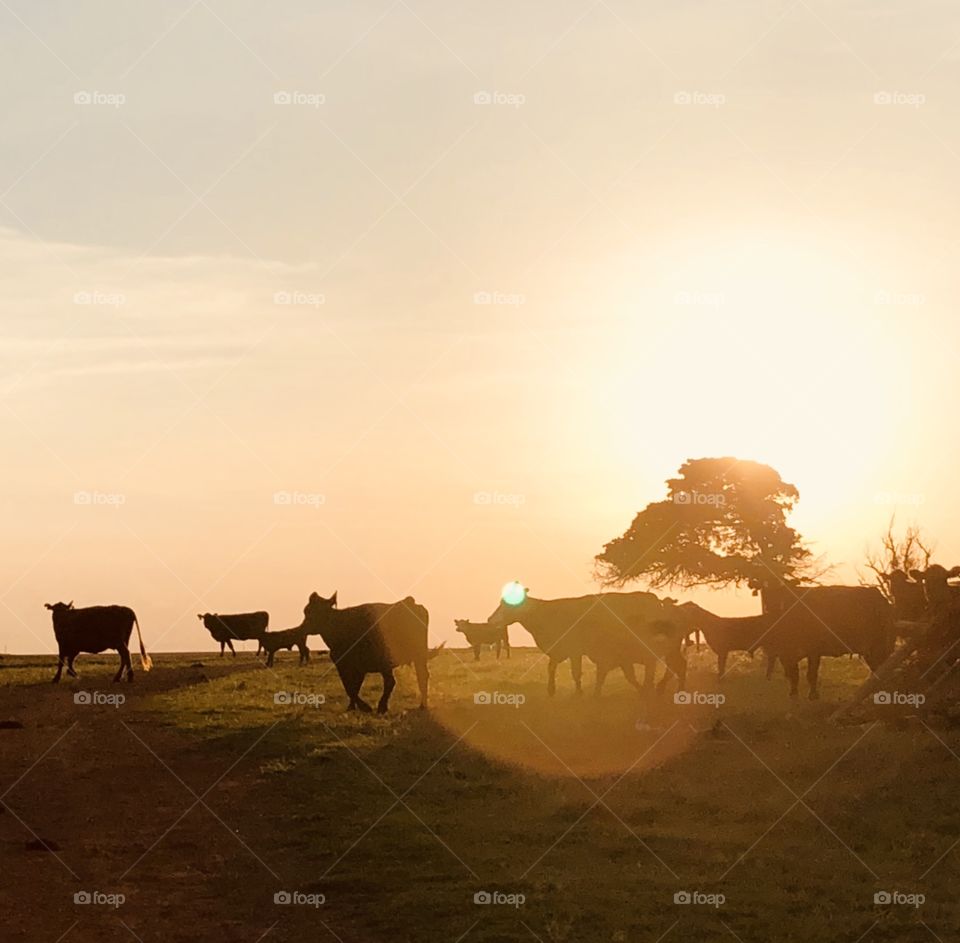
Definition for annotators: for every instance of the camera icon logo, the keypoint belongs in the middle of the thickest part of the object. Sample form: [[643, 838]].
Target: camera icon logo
[[82, 897], [283, 897], [82, 697], [682, 497], [682, 897], [882, 697], [683, 697], [682, 98], [482, 98], [82, 98], [482, 697], [282, 98], [482, 897], [883, 897], [282, 697]]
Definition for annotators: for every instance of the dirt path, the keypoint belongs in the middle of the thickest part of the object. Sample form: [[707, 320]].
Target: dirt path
[[127, 807]]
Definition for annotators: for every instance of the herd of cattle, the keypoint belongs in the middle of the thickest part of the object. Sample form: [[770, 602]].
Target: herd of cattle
[[613, 630]]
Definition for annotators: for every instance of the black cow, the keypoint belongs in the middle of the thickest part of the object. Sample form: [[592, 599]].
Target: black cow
[[240, 626], [372, 639], [483, 633], [95, 629]]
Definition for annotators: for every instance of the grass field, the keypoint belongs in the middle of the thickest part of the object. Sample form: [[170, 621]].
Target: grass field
[[200, 798]]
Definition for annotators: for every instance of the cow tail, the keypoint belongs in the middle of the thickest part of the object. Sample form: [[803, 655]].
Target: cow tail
[[146, 662]]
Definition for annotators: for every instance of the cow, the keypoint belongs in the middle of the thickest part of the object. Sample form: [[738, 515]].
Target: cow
[[942, 601], [372, 638], [909, 599], [272, 642], [817, 621], [725, 635], [95, 629], [226, 629], [482, 633], [614, 630]]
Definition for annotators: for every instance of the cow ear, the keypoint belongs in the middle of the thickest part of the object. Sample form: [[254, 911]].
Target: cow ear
[[70, 604], [47, 605], [333, 598], [953, 571]]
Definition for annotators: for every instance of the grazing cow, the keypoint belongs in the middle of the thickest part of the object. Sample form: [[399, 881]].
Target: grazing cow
[[614, 630], [272, 642], [241, 626], [813, 622], [482, 633], [373, 638], [726, 635], [95, 629]]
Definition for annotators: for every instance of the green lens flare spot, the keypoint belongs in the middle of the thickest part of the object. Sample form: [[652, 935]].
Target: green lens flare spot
[[513, 593]]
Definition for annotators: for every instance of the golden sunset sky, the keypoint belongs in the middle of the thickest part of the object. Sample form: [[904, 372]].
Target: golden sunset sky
[[396, 259]]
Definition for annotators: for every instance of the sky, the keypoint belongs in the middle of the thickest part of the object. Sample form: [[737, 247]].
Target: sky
[[414, 297]]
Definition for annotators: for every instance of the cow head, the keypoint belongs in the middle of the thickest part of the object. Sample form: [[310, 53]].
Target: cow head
[[514, 600], [317, 607], [934, 579], [59, 606], [462, 624]]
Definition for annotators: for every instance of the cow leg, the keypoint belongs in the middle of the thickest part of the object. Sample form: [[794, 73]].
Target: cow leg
[[499, 644], [56, 677], [423, 681], [70, 670], [576, 669], [791, 668], [352, 682], [630, 674], [602, 672], [677, 664], [389, 683], [506, 645], [649, 674], [270, 655], [551, 677], [813, 671], [233, 651], [721, 664], [476, 653], [221, 648], [304, 653]]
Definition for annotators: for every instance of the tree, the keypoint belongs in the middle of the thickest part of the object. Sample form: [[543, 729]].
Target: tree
[[723, 523], [906, 553]]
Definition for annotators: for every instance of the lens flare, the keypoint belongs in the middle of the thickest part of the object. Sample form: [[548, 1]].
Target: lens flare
[[513, 593]]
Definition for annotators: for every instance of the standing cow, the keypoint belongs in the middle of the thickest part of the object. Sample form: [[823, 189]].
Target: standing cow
[[478, 634], [226, 629], [614, 630], [372, 639], [95, 629]]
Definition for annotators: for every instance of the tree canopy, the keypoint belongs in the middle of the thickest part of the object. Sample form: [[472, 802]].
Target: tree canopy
[[723, 523]]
